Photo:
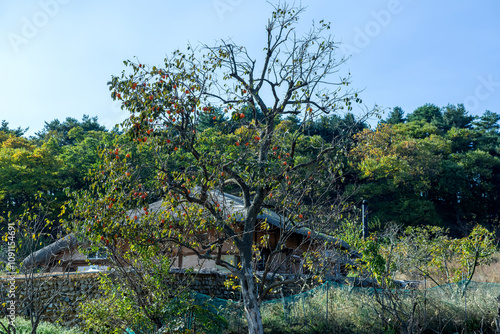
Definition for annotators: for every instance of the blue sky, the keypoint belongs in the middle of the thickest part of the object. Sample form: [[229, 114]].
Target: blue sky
[[56, 56]]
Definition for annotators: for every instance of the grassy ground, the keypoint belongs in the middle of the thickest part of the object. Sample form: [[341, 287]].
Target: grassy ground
[[350, 310], [346, 309], [23, 326], [360, 310]]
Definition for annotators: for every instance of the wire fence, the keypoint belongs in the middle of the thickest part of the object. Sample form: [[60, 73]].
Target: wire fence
[[334, 307]]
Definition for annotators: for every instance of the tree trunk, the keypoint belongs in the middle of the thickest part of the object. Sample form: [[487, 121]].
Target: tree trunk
[[251, 303], [34, 325]]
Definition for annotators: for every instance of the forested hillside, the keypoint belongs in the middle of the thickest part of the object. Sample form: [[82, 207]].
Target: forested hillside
[[439, 166], [433, 166]]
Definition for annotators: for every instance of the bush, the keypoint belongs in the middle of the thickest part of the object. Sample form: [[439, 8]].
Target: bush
[[23, 326]]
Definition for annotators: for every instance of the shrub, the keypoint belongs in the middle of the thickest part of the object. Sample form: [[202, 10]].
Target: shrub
[[23, 326]]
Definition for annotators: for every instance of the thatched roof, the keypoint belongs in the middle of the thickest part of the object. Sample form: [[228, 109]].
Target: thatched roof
[[47, 254]]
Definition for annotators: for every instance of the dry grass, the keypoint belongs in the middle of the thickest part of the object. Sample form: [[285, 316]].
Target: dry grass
[[353, 310], [489, 273], [444, 309], [484, 273]]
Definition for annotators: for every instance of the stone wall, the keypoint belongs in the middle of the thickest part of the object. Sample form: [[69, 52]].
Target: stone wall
[[61, 293], [64, 292]]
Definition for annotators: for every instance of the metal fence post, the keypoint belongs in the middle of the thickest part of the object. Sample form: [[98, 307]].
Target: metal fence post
[[364, 217], [327, 303], [284, 306], [497, 319]]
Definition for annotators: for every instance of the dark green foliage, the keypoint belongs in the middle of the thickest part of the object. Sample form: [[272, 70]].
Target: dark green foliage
[[456, 117], [16, 132], [487, 126], [334, 127], [61, 130], [429, 113], [488, 122], [252, 113], [227, 121], [294, 122], [423, 172], [214, 118], [82, 156], [396, 116]]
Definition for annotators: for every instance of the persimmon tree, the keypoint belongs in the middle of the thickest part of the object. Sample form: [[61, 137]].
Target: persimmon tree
[[267, 162]]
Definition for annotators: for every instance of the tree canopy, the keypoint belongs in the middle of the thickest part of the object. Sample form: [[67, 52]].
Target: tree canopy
[[269, 163]]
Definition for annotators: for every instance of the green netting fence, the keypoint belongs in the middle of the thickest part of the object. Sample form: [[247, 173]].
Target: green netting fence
[[342, 308]]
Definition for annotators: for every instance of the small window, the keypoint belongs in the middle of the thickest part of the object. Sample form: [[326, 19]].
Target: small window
[[101, 254]]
